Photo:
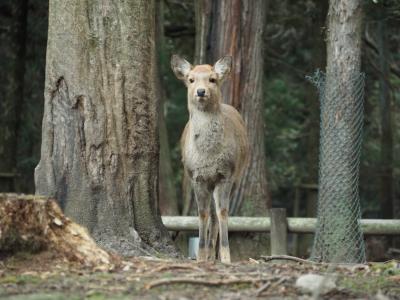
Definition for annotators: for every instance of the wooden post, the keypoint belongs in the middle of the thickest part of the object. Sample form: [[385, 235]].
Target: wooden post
[[279, 228]]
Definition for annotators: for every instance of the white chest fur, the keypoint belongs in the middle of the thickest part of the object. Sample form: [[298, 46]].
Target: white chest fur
[[207, 153], [206, 132]]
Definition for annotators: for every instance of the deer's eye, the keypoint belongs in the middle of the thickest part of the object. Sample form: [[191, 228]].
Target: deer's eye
[[212, 80], [191, 80]]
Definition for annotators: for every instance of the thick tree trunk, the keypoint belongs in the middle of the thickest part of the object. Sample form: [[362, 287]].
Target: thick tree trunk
[[12, 103], [338, 236], [237, 30], [100, 149]]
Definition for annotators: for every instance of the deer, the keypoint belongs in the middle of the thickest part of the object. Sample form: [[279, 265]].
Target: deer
[[214, 149]]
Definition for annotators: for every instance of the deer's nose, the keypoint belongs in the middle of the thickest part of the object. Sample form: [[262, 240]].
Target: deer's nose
[[201, 92]]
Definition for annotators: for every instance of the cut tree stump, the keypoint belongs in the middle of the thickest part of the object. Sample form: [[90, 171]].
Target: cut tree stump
[[33, 223]]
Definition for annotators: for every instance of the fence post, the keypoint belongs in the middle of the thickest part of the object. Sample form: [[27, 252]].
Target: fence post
[[279, 230]]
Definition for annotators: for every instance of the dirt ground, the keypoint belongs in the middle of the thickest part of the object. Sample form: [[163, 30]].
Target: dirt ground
[[43, 276]]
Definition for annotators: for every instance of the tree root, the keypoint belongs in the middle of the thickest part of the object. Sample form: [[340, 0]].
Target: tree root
[[34, 223]]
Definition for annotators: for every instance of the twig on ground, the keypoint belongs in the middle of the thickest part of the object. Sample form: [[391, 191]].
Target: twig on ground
[[288, 257], [178, 280], [266, 286], [263, 288], [175, 266]]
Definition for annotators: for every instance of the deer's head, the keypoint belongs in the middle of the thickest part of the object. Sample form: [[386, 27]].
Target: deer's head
[[202, 81]]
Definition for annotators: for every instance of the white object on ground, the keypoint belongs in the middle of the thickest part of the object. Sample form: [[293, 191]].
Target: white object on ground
[[316, 284]]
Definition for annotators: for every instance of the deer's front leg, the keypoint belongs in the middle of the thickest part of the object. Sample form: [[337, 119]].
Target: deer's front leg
[[203, 197], [221, 195]]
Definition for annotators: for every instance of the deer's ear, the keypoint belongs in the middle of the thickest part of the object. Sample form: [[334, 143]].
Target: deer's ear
[[223, 67], [180, 66]]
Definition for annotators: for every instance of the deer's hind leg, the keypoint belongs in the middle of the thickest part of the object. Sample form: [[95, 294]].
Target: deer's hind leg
[[221, 195], [203, 199]]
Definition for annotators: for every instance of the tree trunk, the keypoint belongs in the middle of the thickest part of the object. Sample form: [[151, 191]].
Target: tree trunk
[[100, 151], [338, 236], [386, 178], [237, 30], [11, 106]]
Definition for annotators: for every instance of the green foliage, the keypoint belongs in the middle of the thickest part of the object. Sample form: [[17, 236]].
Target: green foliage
[[285, 115], [176, 16]]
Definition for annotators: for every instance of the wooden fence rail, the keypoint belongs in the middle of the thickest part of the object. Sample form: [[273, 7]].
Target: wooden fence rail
[[294, 225], [279, 226]]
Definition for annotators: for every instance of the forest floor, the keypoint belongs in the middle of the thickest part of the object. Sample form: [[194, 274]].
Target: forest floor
[[42, 276]]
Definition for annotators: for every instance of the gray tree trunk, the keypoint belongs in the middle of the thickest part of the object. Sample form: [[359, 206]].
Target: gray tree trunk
[[338, 236], [100, 150]]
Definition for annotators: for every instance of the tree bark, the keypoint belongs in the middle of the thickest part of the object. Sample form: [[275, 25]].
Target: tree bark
[[100, 151], [11, 106], [338, 237], [237, 30]]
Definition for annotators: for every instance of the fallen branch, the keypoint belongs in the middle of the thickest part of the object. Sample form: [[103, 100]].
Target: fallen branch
[[178, 280], [175, 266], [263, 288], [288, 257], [268, 285]]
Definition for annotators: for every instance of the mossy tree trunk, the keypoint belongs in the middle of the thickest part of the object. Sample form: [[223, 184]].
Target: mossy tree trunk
[[100, 150]]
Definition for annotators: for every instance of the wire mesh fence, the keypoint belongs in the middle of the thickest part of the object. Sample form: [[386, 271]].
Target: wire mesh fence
[[338, 236]]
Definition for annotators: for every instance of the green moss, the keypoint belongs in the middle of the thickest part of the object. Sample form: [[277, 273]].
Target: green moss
[[20, 279], [93, 295], [387, 268], [50, 296], [369, 285]]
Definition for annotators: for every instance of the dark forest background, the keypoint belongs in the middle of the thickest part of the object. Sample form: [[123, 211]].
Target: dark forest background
[[294, 47]]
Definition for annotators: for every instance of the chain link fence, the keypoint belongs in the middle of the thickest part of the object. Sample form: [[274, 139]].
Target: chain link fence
[[338, 236]]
